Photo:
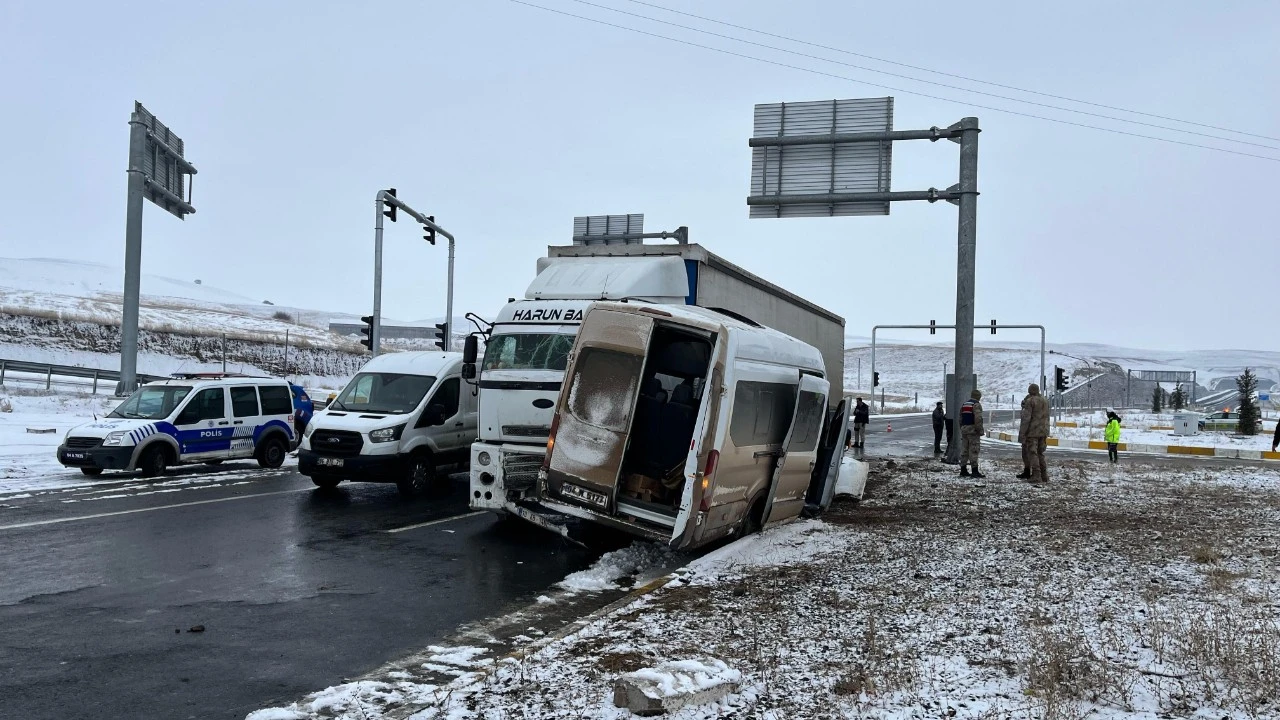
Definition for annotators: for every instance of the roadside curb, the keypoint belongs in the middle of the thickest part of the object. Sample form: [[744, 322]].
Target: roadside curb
[[477, 677], [1180, 450]]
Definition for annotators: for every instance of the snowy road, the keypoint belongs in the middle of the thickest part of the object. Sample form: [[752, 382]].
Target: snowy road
[[295, 588]]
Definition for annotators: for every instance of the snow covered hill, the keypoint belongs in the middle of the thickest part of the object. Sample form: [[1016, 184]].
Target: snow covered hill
[[1004, 370]]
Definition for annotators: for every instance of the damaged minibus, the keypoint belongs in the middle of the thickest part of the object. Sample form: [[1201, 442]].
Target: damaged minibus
[[686, 424]]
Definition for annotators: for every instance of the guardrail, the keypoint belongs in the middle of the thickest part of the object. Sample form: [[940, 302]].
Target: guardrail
[[49, 371]]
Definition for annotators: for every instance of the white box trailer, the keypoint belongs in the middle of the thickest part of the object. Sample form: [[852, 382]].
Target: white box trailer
[[717, 283]]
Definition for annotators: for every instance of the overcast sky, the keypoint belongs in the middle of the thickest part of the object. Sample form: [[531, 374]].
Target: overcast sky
[[505, 121]]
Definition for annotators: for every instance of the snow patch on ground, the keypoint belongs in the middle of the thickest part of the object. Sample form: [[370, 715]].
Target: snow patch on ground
[[640, 561]]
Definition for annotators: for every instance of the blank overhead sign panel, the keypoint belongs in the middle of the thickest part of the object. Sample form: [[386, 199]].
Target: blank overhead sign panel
[[164, 165], [608, 229], [800, 161]]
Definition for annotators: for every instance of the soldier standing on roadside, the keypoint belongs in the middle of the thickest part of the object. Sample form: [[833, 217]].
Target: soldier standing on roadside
[[971, 429], [1037, 414], [1024, 424]]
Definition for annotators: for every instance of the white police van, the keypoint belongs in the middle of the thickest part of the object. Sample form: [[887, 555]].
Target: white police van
[[400, 418], [196, 418]]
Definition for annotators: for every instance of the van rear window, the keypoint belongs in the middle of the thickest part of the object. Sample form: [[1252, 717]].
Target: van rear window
[[276, 399], [604, 388]]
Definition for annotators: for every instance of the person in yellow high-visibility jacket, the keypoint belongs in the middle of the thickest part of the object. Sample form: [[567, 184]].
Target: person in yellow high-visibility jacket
[[1112, 435]]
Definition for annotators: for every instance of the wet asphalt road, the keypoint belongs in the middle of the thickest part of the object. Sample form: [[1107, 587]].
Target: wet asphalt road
[[297, 589]]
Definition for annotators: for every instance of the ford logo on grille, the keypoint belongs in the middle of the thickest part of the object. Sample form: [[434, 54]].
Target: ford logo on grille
[[334, 440]]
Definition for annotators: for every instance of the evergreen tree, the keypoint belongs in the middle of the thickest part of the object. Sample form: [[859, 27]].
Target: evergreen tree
[[1178, 399], [1156, 397], [1247, 384]]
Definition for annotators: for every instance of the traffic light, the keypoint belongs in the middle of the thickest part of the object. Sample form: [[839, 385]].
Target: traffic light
[[875, 379], [442, 335], [367, 331], [1059, 379], [993, 327], [428, 231], [933, 327], [391, 209]]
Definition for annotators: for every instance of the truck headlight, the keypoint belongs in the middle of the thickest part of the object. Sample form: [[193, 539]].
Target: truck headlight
[[483, 458], [114, 438], [390, 434]]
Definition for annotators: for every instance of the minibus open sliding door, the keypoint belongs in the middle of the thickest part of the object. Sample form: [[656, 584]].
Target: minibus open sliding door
[[796, 461]]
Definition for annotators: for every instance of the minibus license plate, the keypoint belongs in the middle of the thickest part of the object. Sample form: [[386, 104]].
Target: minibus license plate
[[74, 456], [585, 495], [329, 462]]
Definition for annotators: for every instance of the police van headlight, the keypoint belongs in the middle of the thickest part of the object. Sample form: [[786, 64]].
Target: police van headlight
[[390, 434], [483, 458], [115, 438]]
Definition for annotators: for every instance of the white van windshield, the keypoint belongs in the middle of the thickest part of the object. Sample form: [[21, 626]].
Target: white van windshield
[[384, 393], [528, 351], [151, 403]]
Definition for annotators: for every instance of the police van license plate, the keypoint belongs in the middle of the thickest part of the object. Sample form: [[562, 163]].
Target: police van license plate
[[329, 462]]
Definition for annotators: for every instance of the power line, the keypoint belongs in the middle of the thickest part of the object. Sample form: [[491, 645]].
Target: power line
[[927, 82], [890, 87], [947, 74]]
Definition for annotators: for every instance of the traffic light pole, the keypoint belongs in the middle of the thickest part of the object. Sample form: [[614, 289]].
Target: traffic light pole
[[953, 449], [385, 199]]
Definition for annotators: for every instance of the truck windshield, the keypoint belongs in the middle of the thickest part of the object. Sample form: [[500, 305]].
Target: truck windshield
[[151, 403], [384, 392], [528, 351]]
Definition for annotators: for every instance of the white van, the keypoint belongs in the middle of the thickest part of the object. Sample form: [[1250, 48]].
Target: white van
[[204, 418], [400, 418], [684, 425]]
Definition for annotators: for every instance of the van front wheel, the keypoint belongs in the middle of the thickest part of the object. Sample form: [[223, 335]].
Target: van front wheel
[[420, 474], [271, 452]]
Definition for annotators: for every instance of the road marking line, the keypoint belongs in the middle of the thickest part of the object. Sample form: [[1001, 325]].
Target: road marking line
[[56, 521], [430, 523]]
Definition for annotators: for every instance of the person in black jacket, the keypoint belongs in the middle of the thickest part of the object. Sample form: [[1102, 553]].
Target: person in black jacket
[[939, 422], [861, 416], [1275, 442]]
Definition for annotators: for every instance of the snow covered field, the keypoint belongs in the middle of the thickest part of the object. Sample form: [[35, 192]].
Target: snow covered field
[[1136, 428], [1142, 592], [27, 460]]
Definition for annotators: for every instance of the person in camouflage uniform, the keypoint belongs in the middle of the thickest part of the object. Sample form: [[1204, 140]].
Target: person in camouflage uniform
[[1036, 435], [971, 430]]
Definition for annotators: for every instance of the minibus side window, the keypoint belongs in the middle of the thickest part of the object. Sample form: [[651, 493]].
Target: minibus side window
[[761, 413]]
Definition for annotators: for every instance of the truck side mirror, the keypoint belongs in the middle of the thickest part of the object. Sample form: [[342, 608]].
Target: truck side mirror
[[470, 348], [469, 371]]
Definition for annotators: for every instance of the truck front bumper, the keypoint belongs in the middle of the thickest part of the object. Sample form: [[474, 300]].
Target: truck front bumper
[[509, 477]]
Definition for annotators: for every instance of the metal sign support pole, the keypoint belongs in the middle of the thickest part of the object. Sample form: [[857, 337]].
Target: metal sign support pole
[[967, 238], [132, 258]]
